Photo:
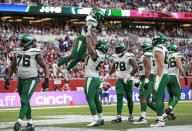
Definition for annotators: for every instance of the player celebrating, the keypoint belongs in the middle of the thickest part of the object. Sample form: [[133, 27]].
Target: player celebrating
[[80, 46], [162, 77], [125, 67], [92, 83], [173, 87], [147, 79], [26, 59]]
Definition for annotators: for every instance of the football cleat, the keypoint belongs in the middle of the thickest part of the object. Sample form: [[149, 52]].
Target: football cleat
[[130, 118], [30, 127], [102, 122], [168, 111], [117, 120], [141, 121], [17, 126], [158, 123], [171, 116], [94, 123]]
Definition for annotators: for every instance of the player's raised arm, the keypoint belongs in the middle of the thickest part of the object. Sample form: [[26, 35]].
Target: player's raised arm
[[90, 47]]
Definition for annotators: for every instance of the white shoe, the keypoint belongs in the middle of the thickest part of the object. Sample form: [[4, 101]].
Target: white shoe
[[164, 115], [158, 123], [141, 121], [94, 123], [65, 75]]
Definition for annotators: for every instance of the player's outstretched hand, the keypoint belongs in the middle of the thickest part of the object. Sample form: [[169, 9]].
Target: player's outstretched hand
[[6, 86], [137, 84], [45, 84], [186, 81]]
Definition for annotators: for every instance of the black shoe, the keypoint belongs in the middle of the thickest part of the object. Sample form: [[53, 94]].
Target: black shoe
[[30, 127], [117, 120], [17, 126], [130, 118], [168, 111], [171, 116]]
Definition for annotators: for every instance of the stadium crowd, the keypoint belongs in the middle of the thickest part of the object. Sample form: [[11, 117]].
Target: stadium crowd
[[114, 30], [54, 50], [146, 5]]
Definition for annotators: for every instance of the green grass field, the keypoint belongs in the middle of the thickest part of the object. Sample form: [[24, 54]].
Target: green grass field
[[183, 112]]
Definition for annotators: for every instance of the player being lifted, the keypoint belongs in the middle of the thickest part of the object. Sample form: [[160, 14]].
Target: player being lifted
[[162, 77], [80, 46], [173, 87], [95, 60], [125, 67], [147, 78], [26, 59]]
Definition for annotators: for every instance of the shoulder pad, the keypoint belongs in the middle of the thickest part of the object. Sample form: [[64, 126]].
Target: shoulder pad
[[36, 50], [148, 54]]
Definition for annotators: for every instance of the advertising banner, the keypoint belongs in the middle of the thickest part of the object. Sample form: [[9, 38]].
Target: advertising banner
[[65, 97], [85, 11], [160, 15]]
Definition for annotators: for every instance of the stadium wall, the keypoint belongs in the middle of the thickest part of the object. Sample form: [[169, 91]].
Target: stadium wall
[[74, 84]]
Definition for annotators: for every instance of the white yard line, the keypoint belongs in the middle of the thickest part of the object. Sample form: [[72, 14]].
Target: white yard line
[[76, 106]]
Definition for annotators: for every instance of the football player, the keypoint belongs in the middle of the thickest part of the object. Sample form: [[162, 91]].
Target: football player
[[26, 59], [173, 87], [147, 80], [162, 78], [80, 46], [125, 67], [92, 81]]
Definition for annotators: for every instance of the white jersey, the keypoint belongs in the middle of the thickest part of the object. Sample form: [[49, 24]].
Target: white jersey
[[89, 22], [162, 49], [141, 65], [173, 69], [26, 62], [122, 66], [92, 67]]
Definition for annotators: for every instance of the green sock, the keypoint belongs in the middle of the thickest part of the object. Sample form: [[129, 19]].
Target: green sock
[[28, 115], [62, 61], [119, 103], [143, 107], [23, 111], [152, 106], [72, 64]]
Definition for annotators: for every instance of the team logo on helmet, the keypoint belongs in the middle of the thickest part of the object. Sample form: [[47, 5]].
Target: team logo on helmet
[[172, 48], [158, 39], [146, 46], [120, 48], [27, 41], [102, 46]]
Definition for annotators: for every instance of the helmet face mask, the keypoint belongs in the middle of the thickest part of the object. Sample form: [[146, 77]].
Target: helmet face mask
[[158, 39], [120, 48], [27, 42], [102, 46]]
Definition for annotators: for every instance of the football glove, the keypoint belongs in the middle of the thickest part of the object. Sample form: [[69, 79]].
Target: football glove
[[127, 78], [6, 86], [45, 84], [146, 84], [137, 85]]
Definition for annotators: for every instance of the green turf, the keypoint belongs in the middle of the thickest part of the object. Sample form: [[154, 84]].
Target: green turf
[[183, 111]]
